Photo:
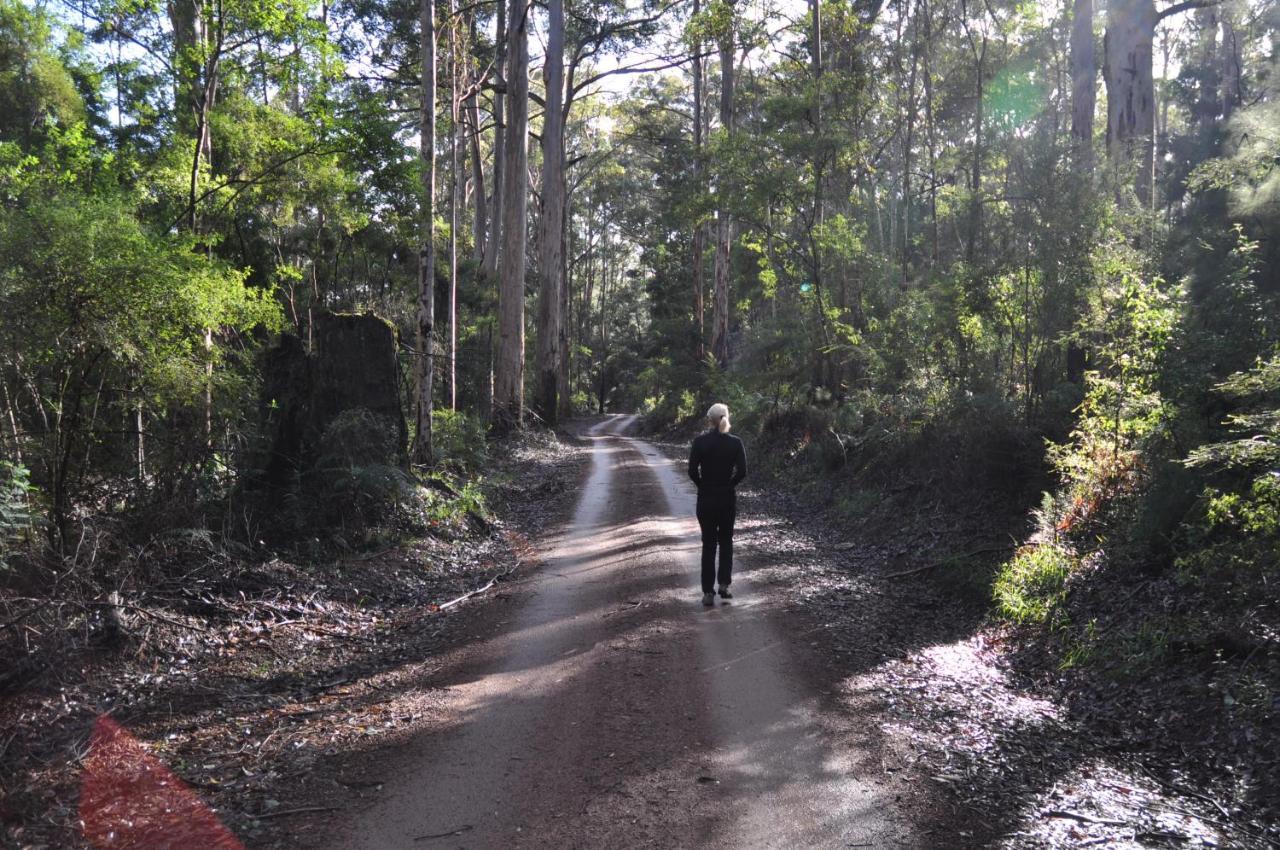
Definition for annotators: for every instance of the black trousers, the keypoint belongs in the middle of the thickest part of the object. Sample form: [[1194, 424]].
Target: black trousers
[[717, 509]]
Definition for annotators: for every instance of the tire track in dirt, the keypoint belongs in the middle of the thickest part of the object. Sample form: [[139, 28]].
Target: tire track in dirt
[[614, 710]]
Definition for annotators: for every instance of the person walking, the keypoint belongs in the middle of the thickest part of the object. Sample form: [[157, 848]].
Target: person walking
[[717, 464]]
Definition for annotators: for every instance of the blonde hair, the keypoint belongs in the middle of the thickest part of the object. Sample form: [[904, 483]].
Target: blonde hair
[[718, 415]]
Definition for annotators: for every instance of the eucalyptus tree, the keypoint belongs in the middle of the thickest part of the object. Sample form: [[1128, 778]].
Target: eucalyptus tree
[[424, 327], [508, 402], [1128, 68], [726, 40], [551, 268]]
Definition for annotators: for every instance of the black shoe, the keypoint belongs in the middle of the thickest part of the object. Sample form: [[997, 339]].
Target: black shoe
[[708, 599], [725, 594]]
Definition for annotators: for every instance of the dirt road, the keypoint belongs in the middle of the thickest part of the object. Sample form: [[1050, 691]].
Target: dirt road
[[613, 710]]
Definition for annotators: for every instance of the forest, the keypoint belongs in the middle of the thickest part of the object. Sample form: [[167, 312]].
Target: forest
[[995, 283]]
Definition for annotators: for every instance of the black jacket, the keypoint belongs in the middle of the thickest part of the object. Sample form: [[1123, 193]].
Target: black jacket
[[717, 461]]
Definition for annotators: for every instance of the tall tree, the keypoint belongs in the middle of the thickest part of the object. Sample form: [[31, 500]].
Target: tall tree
[[424, 341], [500, 97], [1084, 80], [508, 402], [1128, 50], [724, 220], [455, 194], [551, 223], [700, 185]]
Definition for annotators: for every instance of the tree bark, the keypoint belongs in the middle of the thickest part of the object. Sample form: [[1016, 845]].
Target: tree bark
[[975, 203], [724, 222], [187, 19], [908, 143], [1127, 69], [1229, 76], [1084, 75], [480, 222], [455, 200], [551, 224], [564, 395], [494, 246], [424, 338], [699, 247], [508, 402]]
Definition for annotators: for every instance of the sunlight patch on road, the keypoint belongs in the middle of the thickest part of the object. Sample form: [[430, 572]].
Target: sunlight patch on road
[[942, 682], [968, 725]]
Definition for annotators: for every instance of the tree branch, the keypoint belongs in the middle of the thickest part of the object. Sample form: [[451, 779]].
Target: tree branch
[[1184, 6]]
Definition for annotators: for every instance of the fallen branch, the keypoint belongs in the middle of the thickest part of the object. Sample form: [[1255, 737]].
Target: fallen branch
[[951, 560], [464, 828], [464, 597], [479, 590], [144, 612]]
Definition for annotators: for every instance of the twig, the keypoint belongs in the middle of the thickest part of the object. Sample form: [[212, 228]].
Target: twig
[[370, 556], [301, 811], [1227, 825], [351, 635], [1061, 813], [1173, 786], [24, 615], [464, 828], [144, 612], [949, 560], [464, 597], [1162, 835]]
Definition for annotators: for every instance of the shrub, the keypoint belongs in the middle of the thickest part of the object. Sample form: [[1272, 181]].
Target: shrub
[[460, 444], [16, 518], [357, 479]]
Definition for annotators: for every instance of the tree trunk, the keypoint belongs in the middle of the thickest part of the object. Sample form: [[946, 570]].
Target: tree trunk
[[1229, 78], [187, 19], [908, 143], [1207, 103], [1127, 69], [424, 338], [931, 138], [1084, 74], [455, 201], [975, 203], [699, 247], [480, 223], [494, 246], [563, 393], [508, 402], [551, 224], [724, 223], [1084, 95]]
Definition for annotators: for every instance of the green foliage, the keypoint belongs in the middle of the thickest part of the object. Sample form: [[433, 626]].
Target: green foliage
[[1236, 525], [446, 509], [116, 318], [17, 519], [460, 441], [1031, 587], [38, 87], [358, 480], [1123, 414]]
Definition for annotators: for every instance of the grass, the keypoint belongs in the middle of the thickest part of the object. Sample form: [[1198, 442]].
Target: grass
[[1031, 587]]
